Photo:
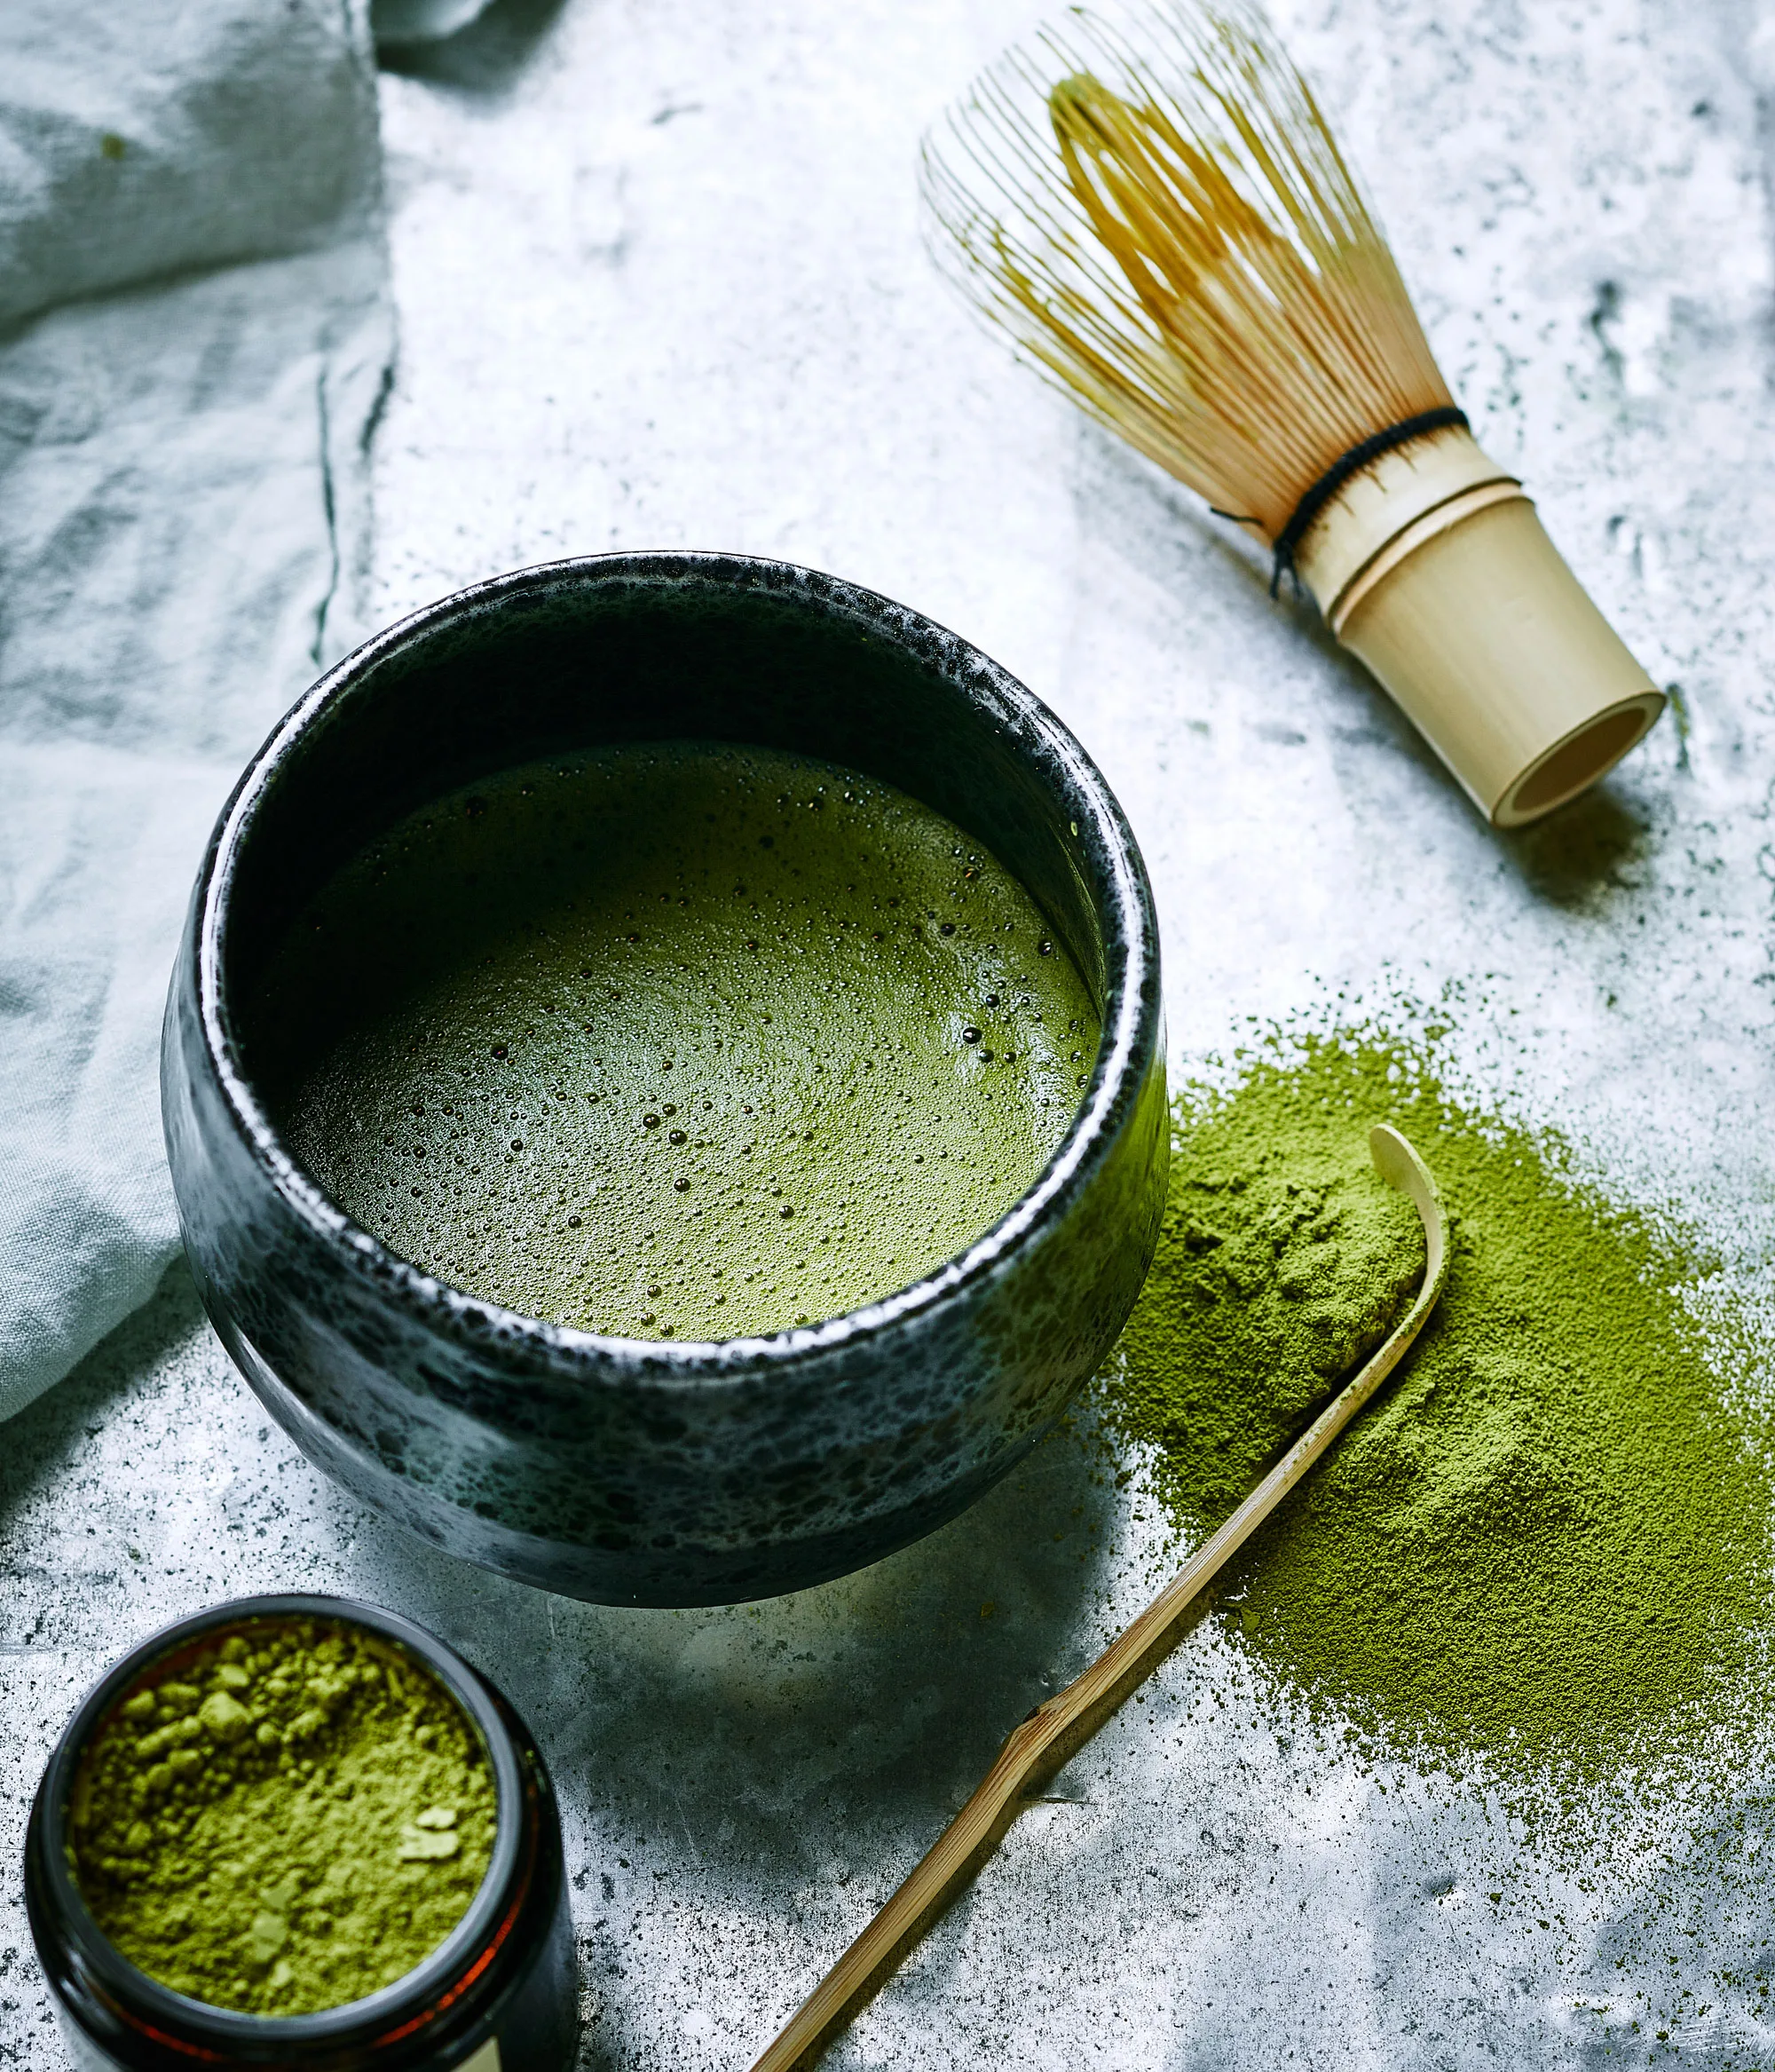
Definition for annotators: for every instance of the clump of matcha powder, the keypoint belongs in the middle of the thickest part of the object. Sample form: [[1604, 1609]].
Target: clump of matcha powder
[[1546, 1542], [286, 1819]]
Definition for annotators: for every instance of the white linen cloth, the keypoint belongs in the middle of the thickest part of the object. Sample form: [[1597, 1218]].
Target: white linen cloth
[[194, 338]]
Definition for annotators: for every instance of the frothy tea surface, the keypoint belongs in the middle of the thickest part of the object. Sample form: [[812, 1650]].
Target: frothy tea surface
[[678, 1041]]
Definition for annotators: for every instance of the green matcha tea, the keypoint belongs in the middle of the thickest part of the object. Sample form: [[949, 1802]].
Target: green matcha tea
[[676, 1040]]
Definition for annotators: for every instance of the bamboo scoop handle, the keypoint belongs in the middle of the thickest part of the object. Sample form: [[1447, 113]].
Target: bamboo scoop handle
[[1055, 1732]]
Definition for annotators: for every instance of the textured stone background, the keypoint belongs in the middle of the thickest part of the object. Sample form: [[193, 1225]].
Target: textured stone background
[[659, 280]]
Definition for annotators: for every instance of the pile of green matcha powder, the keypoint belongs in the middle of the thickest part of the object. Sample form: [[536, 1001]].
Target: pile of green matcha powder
[[290, 1818], [1546, 1542]]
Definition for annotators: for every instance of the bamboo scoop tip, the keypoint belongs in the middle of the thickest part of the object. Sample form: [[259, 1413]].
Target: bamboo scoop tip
[[1399, 1165], [1395, 1160]]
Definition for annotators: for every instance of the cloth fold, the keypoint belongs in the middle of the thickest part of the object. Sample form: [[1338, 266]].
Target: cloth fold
[[195, 337]]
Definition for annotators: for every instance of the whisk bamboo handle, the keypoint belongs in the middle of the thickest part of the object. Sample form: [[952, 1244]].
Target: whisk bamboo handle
[[1432, 566], [1055, 1731]]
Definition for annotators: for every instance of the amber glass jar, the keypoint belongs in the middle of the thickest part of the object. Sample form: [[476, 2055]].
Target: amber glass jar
[[499, 1994]]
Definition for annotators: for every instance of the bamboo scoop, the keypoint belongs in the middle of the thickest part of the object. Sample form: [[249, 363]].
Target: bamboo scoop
[[1055, 1731]]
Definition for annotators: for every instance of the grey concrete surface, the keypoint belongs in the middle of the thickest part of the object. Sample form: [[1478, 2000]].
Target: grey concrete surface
[[659, 280]]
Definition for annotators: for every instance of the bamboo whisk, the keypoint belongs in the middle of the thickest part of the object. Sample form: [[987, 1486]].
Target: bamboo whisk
[[1155, 210]]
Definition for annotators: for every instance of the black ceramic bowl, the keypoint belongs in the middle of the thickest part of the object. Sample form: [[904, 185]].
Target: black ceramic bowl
[[616, 1469]]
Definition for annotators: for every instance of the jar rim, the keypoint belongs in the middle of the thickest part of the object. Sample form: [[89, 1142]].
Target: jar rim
[[393, 2010]]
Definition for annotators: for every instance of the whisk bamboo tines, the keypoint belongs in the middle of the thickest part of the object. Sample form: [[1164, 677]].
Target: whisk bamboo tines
[[1155, 210]]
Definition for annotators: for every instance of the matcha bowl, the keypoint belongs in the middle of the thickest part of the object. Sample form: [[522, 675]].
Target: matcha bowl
[[632, 1470]]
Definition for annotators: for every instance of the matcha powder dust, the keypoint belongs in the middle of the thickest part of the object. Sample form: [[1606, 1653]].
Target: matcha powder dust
[[1546, 1542], [293, 1818]]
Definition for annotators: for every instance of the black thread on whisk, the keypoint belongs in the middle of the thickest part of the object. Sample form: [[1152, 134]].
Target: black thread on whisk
[[1333, 479]]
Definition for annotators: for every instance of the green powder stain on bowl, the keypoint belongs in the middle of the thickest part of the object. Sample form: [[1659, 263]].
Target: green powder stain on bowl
[[1546, 1542], [289, 1818]]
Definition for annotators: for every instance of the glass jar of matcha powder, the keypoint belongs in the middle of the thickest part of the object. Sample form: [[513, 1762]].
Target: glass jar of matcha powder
[[300, 1832]]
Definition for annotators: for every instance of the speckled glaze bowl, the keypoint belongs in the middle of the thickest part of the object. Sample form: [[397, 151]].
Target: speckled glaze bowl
[[616, 1469]]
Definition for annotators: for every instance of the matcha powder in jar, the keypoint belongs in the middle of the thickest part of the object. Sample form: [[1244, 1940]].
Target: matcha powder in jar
[[287, 1821], [298, 1831]]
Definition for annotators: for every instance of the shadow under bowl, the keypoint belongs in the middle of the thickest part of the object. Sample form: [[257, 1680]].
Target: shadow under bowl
[[641, 1472]]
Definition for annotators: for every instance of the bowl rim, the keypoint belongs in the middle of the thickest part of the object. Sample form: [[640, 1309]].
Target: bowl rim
[[1132, 1018]]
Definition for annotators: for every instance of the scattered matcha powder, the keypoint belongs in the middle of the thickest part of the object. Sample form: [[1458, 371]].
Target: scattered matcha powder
[[288, 1819], [1548, 1538]]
